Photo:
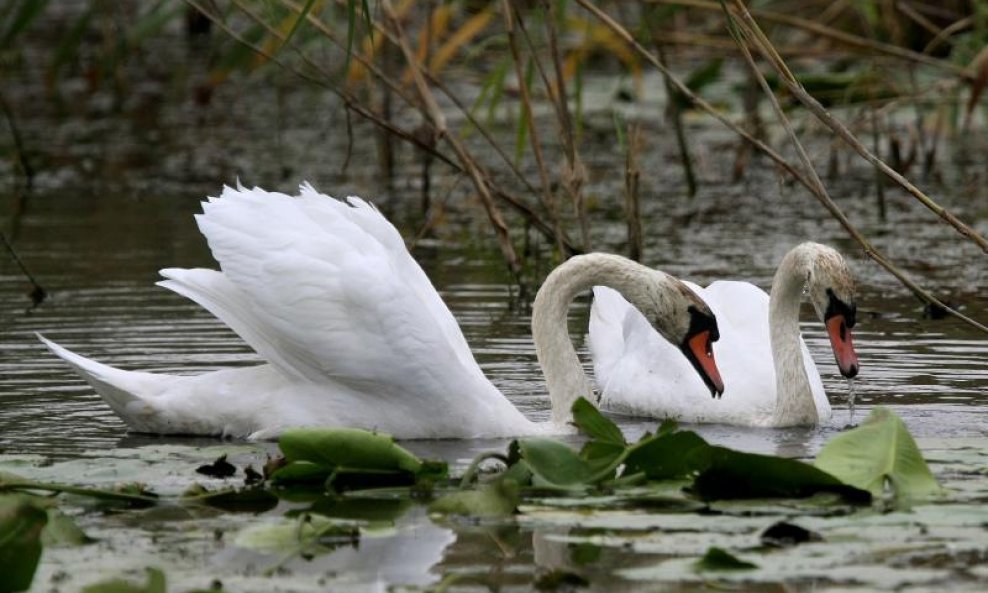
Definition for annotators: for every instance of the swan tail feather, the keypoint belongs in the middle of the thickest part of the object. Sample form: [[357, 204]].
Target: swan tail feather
[[120, 389]]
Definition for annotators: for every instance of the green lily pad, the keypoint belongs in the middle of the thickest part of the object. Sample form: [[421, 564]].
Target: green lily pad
[[720, 559], [497, 499], [63, 531], [155, 584], [595, 425], [22, 520], [734, 474], [878, 453], [314, 533], [333, 452], [669, 455], [555, 463]]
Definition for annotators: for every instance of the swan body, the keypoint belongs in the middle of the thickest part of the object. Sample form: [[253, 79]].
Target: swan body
[[352, 331], [770, 377]]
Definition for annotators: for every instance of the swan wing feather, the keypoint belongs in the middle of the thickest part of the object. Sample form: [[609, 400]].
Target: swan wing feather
[[324, 289]]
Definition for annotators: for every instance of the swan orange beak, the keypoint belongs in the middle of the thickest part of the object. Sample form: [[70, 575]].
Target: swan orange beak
[[699, 350], [843, 345]]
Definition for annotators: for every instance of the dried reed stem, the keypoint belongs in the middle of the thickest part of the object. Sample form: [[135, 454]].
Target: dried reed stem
[[354, 105], [555, 235], [676, 115], [575, 175], [546, 195], [15, 134], [632, 205], [837, 35], [755, 35], [37, 293], [467, 162], [815, 185], [803, 179]]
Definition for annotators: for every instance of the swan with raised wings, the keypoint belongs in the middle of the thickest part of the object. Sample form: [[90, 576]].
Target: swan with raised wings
[[770, 378], [354, 334]]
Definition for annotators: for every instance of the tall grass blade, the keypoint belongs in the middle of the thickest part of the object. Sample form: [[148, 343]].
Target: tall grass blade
[[25, 15]]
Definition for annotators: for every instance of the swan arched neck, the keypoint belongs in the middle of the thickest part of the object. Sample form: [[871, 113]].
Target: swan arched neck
[[643, 287], [794, 405]]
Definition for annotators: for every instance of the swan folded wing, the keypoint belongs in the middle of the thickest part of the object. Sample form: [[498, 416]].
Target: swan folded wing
[[324, 211], [610, 320], [743, 309], [637, 369], [330, 298], [742, 306], [627, 351], [212, 291]]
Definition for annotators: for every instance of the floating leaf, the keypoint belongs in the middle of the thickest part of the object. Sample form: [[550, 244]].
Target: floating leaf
[[21, 522], [156, 584], [554, 462], [301, 472], [668, 455], [496, 499], [62, 531], [253, 499], [880, 451], [358, 456], [734, 474], [347, 447], [595, 425], [720, 559], [370, 510], [313, 533], [606, 446]]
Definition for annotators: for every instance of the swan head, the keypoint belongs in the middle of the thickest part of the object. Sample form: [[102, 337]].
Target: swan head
[[682, 318], [831, 290]]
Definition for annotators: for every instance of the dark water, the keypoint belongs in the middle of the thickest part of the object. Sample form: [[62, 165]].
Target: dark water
[[117, 188]]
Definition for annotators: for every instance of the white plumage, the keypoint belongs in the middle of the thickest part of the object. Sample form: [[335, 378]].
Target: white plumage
[[769, 376], [352, 331]]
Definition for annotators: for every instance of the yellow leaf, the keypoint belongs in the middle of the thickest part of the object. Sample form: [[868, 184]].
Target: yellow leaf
[[463, 35]]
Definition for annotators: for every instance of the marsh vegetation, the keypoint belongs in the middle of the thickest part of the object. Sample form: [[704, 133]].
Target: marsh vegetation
[[501, 137]]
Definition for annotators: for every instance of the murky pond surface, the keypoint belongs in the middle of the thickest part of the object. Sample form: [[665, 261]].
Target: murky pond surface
[[116, 204]]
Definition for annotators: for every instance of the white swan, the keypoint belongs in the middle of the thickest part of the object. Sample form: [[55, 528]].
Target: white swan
[[354, 334], [770, 378]]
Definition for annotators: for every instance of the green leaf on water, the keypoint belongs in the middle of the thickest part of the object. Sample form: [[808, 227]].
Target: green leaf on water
[[667, 455], [497, 499], [312, 533], [324, 453], [301, 472], [252, 499], [347, 447], [606, 445], [595, 425], [877, 453], [555, 463], [720, 559], [62, 531], [22, 519], [155, 584], [735, 474]]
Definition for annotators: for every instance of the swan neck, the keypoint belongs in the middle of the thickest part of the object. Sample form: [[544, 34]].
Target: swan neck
[[794, 404], [565, 378]]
